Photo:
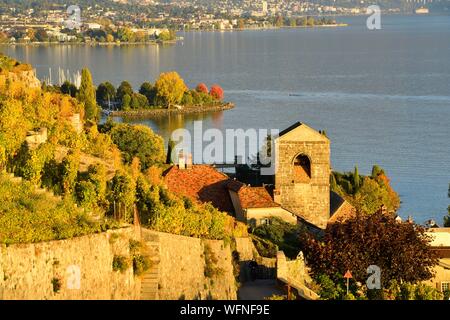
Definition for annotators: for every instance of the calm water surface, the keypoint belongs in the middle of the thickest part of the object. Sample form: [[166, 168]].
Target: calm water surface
[[382, 96]]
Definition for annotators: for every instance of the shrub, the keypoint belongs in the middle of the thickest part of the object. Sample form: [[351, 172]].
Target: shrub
[[211, 269], [56, 284], [29, 217], [120, 263], [141, 261], [264, 247], [141, 264], [187, 100], [282, 234]]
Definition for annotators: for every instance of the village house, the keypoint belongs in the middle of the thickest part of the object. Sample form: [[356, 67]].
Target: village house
[[441, 245], [300, 192]]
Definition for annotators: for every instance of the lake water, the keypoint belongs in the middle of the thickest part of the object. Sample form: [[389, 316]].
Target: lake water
[[382, 96]]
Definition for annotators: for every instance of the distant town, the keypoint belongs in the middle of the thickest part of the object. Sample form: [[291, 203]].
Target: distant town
[[126, 21]]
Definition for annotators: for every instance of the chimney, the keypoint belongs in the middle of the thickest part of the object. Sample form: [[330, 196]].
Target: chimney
[[181, 161], [189, 161]]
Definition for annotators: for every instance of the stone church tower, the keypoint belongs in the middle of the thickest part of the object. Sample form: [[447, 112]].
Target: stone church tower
[[302, 173]]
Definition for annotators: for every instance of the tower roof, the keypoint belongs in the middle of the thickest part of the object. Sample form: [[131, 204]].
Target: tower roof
[[301, 132]]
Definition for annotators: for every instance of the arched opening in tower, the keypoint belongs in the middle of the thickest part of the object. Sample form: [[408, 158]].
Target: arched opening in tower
[[302, 168]]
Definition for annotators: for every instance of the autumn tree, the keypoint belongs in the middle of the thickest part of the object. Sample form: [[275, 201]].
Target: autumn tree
[[170, 88], [202, 88], [216, 92], [279, 21], [86, 95], [401, 250], [367, 193], [126, 35]]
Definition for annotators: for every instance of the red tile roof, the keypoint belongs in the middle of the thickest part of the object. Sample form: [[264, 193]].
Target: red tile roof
[[201, 183], [340, 210], [252, 197]]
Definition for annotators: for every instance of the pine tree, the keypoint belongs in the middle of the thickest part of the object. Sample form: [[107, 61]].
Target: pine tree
[[447, 218], [333, 183], [356, 180], [170, 147], [86, 95]]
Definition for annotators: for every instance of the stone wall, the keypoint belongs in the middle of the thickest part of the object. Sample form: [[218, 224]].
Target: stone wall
[[311, 199], [182, 268], [295, 274], [82, 267]]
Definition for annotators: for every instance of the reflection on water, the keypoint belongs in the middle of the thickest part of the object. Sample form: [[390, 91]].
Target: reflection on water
[[165, 126]]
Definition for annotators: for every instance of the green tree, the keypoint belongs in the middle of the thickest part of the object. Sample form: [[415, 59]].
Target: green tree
[[86, 95], [138, 101], [69, 88], [138, 141], [123, 195], [69, 172], [333, 184], [124, 88], [170, 150], [148, 90], [356, 180], [328, 289], [170, 88], [126, 102], [376, 171], [106, 92]]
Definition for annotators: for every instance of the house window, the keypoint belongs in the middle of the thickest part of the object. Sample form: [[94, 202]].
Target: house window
[[302, 168], [445, 286], [264, 221]]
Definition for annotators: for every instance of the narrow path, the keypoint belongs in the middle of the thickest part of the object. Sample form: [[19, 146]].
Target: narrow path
[[258, 290]]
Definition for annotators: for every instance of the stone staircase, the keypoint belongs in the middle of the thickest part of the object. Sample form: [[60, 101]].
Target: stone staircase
[[150, 279]]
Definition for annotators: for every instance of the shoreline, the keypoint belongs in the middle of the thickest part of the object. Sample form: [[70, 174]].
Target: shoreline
[[160, 112], [92, 44]]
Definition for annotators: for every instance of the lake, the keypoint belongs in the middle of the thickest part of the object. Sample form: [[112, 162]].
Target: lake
[[383, 96]]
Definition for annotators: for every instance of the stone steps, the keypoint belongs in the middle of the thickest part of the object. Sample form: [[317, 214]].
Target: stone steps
[[150, 279]]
